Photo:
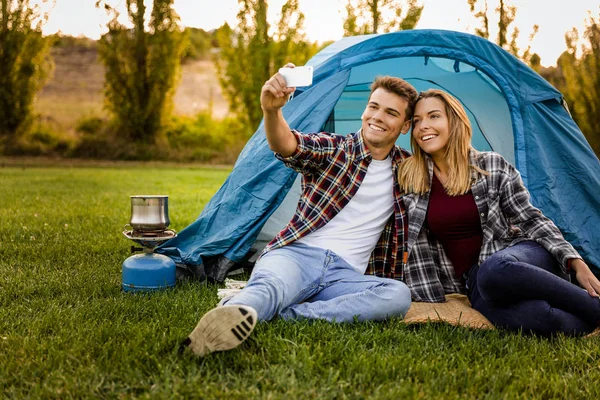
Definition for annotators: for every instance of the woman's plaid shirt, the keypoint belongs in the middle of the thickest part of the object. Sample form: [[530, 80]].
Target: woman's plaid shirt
[[333, 167], [507, 217]]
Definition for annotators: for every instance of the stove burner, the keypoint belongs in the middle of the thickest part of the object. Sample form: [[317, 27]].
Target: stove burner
[[151, 234], [150, 240]]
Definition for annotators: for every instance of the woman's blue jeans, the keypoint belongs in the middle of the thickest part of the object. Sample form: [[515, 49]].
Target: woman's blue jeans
[[299, 281], [518, 288]]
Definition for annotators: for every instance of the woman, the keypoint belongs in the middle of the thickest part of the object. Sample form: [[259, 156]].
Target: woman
[[473, 229]]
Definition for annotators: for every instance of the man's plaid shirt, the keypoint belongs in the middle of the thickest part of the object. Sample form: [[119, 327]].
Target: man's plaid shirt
[[507, 217], [333, 167]]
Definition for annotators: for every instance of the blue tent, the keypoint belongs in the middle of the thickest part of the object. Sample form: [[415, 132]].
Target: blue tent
[[512, 109]]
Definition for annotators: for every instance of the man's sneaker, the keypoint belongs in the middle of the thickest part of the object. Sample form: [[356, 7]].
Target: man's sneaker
[[222, 328]]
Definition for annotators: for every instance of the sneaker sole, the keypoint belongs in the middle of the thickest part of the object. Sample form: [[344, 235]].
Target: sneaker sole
[[222, 328]]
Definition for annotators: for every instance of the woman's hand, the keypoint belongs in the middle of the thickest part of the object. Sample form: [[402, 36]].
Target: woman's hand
[[586, 277]]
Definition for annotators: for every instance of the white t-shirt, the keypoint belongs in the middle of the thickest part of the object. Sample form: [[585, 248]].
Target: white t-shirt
[[353, 233]]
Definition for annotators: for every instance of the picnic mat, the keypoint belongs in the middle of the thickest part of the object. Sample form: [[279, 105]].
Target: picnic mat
[[456, 310]]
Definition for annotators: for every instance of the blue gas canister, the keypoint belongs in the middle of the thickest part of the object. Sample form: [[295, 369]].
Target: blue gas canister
[[147, 272]]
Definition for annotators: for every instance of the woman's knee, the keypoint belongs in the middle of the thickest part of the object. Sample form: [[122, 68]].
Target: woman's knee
[[494, 268]]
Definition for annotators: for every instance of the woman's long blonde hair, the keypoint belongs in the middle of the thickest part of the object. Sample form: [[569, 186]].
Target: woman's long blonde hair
[[413, 174]]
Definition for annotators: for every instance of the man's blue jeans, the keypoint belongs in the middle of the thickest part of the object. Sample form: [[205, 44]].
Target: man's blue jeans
[[518, 288], [299, 281]]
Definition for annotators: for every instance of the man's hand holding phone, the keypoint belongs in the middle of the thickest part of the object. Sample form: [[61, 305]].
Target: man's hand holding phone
[[276, 91], [274, 94]]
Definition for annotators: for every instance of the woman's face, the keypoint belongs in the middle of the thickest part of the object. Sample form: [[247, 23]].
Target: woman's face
[[430, 126]]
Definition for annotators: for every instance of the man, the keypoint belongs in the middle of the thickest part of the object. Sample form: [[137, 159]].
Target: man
[[349, 221]]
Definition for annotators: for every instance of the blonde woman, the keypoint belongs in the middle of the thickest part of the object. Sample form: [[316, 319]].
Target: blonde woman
[[473, 230]]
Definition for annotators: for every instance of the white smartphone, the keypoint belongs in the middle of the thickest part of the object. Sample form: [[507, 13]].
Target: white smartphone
[[297, 76]]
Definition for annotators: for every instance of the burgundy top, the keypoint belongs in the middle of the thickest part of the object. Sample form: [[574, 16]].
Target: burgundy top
[[454, 221]]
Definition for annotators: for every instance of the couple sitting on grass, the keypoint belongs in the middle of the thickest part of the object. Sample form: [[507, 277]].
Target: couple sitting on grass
[[375, 227]]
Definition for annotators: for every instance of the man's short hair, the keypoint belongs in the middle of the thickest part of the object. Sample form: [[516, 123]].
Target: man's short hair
[[399, 87]]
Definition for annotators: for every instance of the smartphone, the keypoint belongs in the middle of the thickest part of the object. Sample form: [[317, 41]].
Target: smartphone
[[297, 76]]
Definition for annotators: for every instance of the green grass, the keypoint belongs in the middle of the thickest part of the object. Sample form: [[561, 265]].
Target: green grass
[[68, 331]]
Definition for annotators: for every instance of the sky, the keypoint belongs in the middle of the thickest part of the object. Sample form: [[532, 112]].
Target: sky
[[324, 18]]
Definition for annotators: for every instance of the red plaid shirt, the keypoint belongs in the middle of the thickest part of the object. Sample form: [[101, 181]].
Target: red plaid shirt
[[333, 167]]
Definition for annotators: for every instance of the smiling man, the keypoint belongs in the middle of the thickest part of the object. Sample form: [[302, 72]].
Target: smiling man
[[346, 223]]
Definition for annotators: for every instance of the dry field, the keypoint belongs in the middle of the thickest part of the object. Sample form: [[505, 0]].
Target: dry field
[[75, 89]]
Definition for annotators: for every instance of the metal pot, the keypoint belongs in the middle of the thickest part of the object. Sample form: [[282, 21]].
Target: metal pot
[[149, 213]]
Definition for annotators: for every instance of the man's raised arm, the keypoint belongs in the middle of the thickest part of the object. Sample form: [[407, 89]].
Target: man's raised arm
[[273, 96]]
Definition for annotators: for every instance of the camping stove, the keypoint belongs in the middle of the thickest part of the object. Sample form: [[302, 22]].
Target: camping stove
[[148, 228]]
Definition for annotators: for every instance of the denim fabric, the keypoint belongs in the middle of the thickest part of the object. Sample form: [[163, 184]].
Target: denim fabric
[[519, 288], [299, 281]]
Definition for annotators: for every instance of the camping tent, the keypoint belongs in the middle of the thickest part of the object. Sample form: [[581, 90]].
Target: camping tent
[[512, 109]]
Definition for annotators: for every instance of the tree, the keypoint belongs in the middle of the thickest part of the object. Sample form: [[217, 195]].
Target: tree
[[197, 44], [579, 80], [250, 55], [289, 40], [535, 62], [506, 16], [369, 16], [24, 65], [142, 68]]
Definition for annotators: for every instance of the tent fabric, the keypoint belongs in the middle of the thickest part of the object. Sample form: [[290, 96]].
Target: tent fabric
[[513, 111]]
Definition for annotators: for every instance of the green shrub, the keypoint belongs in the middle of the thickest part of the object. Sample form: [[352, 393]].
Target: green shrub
[[43, 139], [90, 125], [186, 139], [108, 144], [102, 139], [204, 139]]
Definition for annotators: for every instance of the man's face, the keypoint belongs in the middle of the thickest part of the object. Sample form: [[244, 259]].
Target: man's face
[[383, 120]]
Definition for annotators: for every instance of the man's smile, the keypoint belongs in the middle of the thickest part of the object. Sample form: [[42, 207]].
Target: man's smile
[[376, 128]]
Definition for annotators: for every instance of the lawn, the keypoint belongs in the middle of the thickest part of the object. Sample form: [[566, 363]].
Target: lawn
[[68, 331]]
